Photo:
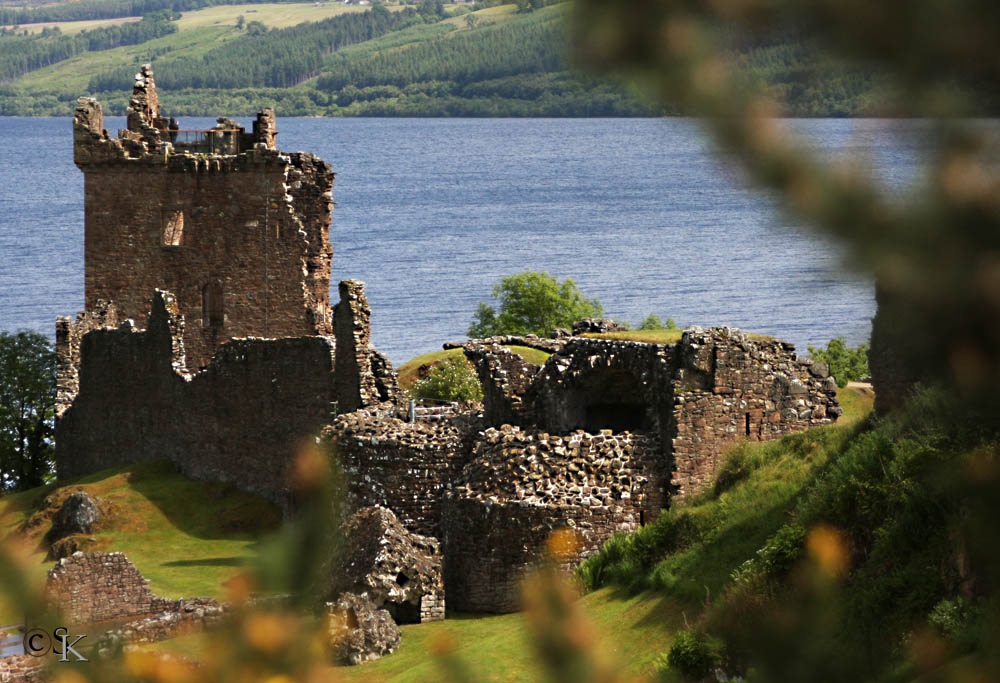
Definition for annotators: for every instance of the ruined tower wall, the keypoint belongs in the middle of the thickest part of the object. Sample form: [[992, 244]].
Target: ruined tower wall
[[240, 237], [237, 233]]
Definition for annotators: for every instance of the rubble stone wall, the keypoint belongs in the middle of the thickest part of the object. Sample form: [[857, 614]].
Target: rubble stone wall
[[241, 239], [522, 485], [505, 378], [399, 465], [95, 587]]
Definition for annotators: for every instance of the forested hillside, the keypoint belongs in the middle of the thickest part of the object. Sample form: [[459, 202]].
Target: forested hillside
[[427, 59]]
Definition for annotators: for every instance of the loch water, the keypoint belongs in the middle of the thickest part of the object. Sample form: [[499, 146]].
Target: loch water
[[643, 214]]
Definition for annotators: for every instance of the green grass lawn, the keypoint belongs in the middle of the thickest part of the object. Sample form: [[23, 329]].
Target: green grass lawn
[[632, 631], [186, 537]]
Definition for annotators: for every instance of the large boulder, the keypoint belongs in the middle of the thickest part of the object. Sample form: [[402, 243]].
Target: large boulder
[[391, 566], [359, 631], [78, 515]]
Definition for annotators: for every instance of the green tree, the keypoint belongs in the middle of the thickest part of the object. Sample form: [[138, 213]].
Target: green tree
[[653, 322], [240, 22], [533, 303], [27, 409], [256, 28], [453, 379], [847, 364]]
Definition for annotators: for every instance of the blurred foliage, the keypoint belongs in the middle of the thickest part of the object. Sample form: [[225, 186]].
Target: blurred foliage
[[452, 379], [533, 303], [27, 410], [847, 363]]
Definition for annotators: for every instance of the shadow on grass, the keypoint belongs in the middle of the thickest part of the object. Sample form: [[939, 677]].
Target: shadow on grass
[[202, 509]]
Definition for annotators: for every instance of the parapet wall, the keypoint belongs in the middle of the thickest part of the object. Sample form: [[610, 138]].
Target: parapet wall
[[95, 587], [240, 420]]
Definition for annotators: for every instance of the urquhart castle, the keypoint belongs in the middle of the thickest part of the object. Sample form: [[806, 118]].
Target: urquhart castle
[[209, 339]]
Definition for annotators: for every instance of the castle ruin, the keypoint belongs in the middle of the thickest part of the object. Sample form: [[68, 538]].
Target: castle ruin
[[209, 340]]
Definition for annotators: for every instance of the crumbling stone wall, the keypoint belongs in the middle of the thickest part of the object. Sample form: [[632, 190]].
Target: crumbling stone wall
[[729, 388], [184, 616], [237, 421], [399, 465], [523, 485], [95, 587], [364, 376], [391, 566], [69, 334], [241, 239], [23, 669], [505, 378], [699, 396]]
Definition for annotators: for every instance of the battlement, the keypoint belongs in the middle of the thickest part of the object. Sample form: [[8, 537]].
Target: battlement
[[155, 138], [237, 229]]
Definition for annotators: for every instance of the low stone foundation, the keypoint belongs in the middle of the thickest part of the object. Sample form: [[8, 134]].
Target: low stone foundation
[[95, 587]]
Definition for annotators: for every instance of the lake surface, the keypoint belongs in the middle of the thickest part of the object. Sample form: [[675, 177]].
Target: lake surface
[[430, 213]]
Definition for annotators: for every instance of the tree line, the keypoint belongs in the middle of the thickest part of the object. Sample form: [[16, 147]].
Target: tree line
[[507, 49], [21, 54], [279, 58]]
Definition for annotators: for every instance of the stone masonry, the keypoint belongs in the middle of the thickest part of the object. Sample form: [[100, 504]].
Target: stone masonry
[[394, 568], [520, 487], [239, 420], [96, 587], [236, 229]]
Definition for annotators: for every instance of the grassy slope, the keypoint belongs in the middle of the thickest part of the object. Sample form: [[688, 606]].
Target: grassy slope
[[408, 370], [186, 537], [73, 27]]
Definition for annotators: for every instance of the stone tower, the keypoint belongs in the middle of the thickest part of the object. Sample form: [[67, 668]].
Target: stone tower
[[236, 229]]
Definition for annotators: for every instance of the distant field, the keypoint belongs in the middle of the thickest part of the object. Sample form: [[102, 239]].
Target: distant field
[[199, 31], [74, 74], [278, 15], [71, 27]]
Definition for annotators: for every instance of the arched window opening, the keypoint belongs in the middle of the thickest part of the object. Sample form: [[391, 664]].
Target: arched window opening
[[173, 229], [212, 307]]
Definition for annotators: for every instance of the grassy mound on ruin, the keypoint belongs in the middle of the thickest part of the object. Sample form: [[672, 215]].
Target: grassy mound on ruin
[[188, 538], [410, 371]]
